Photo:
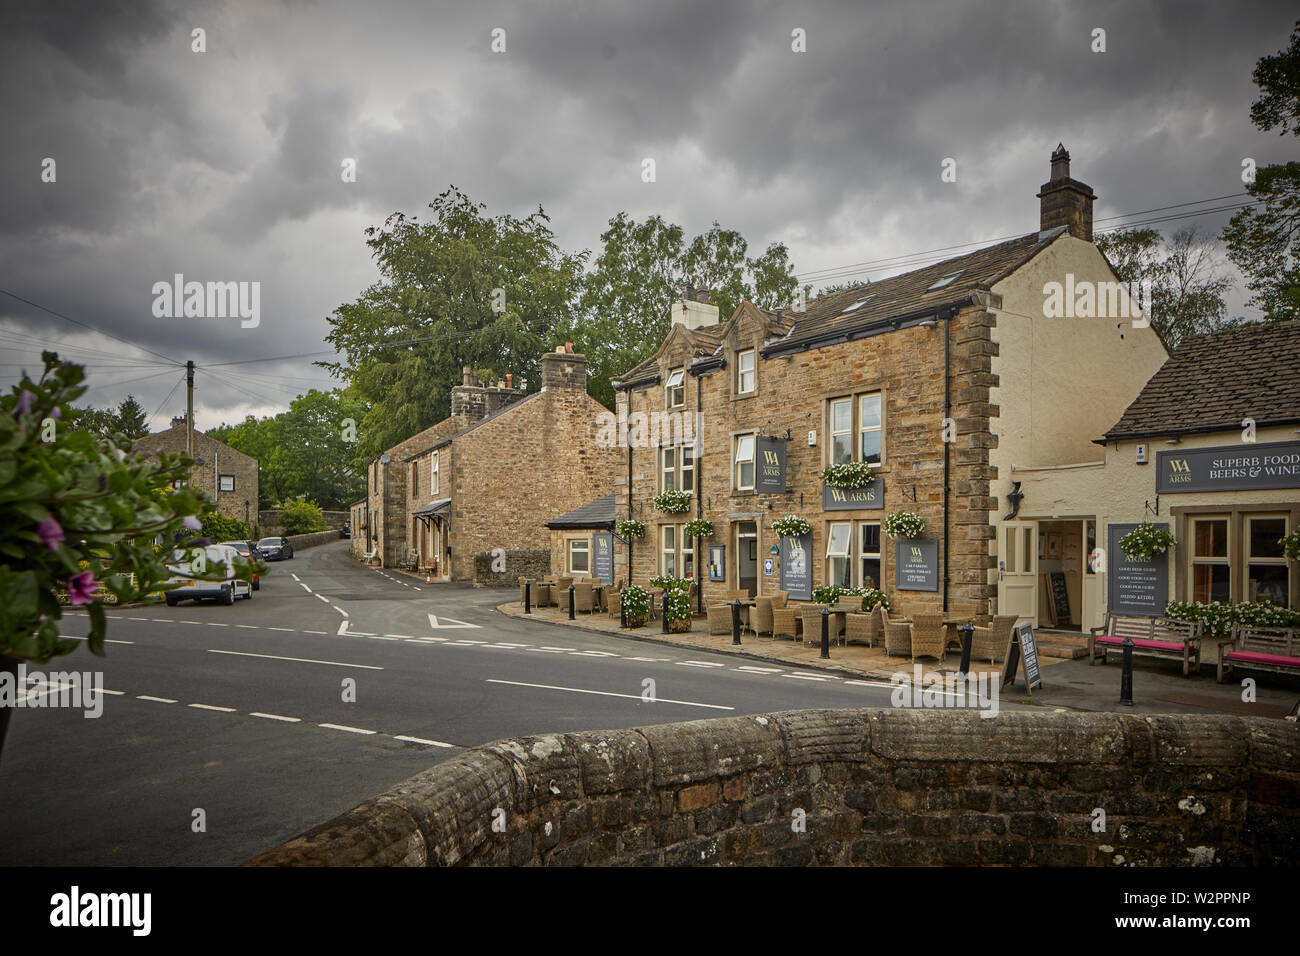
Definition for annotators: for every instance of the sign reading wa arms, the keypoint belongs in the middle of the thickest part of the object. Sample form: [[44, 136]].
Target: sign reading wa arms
[[1229, 468], [869, 497], [770, 479]]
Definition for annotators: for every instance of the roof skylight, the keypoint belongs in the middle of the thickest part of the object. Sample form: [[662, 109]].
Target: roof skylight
[[945, 281]]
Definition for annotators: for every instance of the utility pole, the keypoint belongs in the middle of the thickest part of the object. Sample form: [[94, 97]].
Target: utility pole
[[189, 408]]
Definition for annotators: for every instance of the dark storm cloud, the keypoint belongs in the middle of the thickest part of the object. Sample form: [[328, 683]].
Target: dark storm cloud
[[226, 165]]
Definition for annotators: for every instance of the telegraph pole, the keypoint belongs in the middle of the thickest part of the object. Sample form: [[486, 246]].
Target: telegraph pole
[[189, 408]]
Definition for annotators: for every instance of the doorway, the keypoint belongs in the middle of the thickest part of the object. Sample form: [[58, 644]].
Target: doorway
[[1061, 563], [747, 557], [1018, 569]]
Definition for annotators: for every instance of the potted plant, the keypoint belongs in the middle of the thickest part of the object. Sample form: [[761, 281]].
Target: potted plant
[[903, 524], [791, 526], [699, 528], [1291, 545], [630, 528], [80, 516], [679, 608], [849, 474], [873, 598], [673, 502], [636, 604], [1146, 541], [829, 594]]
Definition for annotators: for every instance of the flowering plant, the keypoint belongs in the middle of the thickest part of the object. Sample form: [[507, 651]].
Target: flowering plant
[[1219, 618], [904, 524], [1291, 545], [699, 528], [1146, 541], [79, 513], [630, 528], [791, 526], [636, 603], [673, 502], [679, 609], [849, 474], [665, 582], [873, 598]]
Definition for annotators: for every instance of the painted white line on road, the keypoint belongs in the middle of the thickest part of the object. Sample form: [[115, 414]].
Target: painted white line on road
[[421, 740], [337, 608], [809, 677], [656, 660], [305, 588], [134, 618], [507, 644], [867, 683], [760, 670], [435, 621], [400, 637], [594, 654], [323, 598], [224, 710], [115, 693], [381, 637], [107, 640], [805, 674], [179, 621], [606, 693], [313, 632], [251, 627], [344, 727], [289, 629], [548, 647], [299, 660], [160, 700], [217, 624], [287, 720], [700, 664]]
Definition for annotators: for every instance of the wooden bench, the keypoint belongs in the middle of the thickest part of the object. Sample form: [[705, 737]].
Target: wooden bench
[[1152, 637], [1274, 649]]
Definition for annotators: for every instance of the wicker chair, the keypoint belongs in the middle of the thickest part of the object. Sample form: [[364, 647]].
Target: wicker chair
[[864, 627], [542, 594], [785, 623], [928, 636], [779, 599], [584, 596], [614, 602], [991, 641], [719, 618], [812, 625], [898, 635]]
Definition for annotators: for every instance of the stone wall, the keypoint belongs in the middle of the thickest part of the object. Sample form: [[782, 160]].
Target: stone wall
[[530, 563], [300, 541], [873, 786], [268, 519]]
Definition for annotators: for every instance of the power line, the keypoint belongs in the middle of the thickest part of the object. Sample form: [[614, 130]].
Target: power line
[[169, 396], [68, 318]]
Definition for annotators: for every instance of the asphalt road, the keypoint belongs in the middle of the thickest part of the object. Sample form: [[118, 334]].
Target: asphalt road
[[239, 712]]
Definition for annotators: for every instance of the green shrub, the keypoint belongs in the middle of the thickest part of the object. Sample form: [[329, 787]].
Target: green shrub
[[220, 528], [301, 517]]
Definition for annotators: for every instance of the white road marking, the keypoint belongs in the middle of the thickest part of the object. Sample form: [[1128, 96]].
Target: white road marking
[[421, 740], [435, 621], [289, 629], [337, 608], [351, 730], [160, 700], [606, 693], [305, 588], [548, 647], [760, 670], [868, 683], [287, 720], [809, 677], [224, 710], [295, 577], [107, 640], [115, 693], [323, 598], [657, 660], [313, 632], [400, 637], [382, 637], [217, 624], [507, 644], [594, 654], [700, 664], [299, 660], [251, 627]]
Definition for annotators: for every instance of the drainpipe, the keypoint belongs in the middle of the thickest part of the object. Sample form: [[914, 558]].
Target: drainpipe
[[629, 483], [947, 446], [698, 472]]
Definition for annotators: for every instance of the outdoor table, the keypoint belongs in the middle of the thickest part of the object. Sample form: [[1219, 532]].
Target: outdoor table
[[951, 634]]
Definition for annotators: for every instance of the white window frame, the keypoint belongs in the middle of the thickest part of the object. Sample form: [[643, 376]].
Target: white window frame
[[668, 468], [878, 428], [574, 545], [864, 555], [686, 467], [433, 476], [738, 461], [221, 479], [675, 387], [668, 550], [835, 553], [1196, 560], [746, 386], [855, 430], [834, 432]]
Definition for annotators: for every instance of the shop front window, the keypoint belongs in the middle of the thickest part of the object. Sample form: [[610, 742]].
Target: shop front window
[[1267, 578], [1211, 573]]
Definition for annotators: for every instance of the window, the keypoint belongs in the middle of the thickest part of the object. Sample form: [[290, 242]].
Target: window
[[863, 417], [579, 556], [838, 542], [677, 468], [744, 470], [945, 281], [859, 304], [178, 483], [668, 551], [688, 555], [668, 469], [745, 372], [433, 475], [1266, 564], [688, 468], [868, 556], [227, 483], [675, 391], [415, 479], [1211, 575]]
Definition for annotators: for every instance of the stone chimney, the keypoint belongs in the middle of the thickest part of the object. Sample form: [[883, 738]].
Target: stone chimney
[[1065, 201], [476, 401], [561, 369]]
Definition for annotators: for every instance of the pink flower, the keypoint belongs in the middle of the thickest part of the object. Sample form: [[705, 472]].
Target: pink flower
[[81, 588], [24, 403], [50, 533], [192, 523]]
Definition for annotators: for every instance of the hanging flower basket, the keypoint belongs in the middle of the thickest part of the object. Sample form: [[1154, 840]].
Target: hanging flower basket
[[1291, 545], [1146, 541], [699, 528], [904, 524], [673, 502], [791, 526], [849, 474], [631, 528]]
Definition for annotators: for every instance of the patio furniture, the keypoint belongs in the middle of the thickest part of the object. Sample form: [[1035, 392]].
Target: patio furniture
[[1274, 649], [785, 623], [898, 635], [1152, 637], [863, 627], [928, 636], [614, 602], [719, 618], [584, 597], [812, 624], [991, 641], [763, 616]]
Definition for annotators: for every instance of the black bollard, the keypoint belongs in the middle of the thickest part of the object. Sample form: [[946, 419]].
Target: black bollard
[[571, 590], [664, 612], [735, 622], [622, 608], [528, 597], [1126, 675], [826, 633], [967, 639]]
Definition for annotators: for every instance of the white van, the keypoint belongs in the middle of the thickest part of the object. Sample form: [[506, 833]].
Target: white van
[[190, 589]]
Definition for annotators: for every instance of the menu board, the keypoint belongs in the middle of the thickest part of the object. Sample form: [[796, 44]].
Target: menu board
[[796, 567], [916, 564], [1022, 647], [1134, 586], [602, 543]]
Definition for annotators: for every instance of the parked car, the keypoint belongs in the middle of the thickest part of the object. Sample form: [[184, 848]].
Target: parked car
[[251, 552], [225, 591], [347, 530], [275, 549]]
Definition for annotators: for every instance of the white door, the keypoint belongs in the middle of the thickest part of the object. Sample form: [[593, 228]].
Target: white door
[[1018, 569]]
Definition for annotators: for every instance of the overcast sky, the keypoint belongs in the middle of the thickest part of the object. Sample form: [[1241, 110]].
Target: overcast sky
[[226, 165]]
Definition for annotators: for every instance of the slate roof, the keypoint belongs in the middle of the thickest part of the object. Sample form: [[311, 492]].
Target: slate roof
[[1211, 382], [708, 340], [594, 514]]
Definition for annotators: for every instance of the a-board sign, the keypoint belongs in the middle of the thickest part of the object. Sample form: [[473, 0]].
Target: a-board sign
[[1022, 647], [1059, 595], [602, 562]]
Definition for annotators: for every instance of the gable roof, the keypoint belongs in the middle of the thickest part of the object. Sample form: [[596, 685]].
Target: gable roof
[[706, 342], [1213, 381], [594, 514], [832, 317]]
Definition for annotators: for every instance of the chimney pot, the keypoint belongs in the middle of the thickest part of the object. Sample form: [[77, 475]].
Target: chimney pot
[[1064, 201], [466, 375], [510, 379], [568, 348]]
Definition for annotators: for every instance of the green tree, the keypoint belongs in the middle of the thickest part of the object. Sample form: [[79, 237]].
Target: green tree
[[299, 516], [1264, 239], [128, 419], [462, 289], [219, 528], [1187, 288], [132, 420]]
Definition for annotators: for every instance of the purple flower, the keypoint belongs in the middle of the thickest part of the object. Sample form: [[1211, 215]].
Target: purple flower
[[50, 532], [56, 412], [24, 403], [81, 588], [192, 523]]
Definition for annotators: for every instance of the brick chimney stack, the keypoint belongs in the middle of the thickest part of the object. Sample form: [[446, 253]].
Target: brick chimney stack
[[1065, 201], [561, 369]]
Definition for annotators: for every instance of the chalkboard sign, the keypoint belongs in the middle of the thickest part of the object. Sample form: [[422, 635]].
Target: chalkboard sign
[[1060, 596], [1021, 646]]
